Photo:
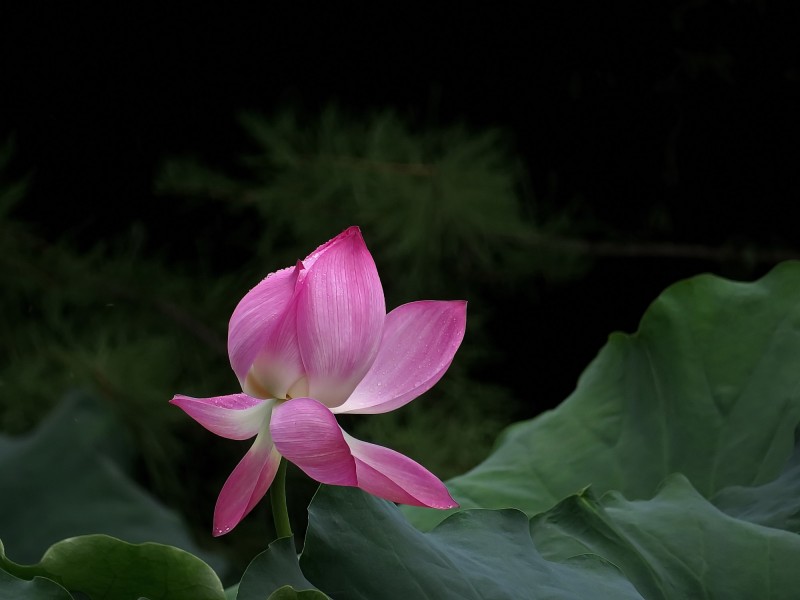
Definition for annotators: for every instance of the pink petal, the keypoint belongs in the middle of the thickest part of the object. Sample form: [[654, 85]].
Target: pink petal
[[419, 342], [340, 316], [236, 417], [307, 434], [395, 477], [247, 484], [262, 337], [309, 260]]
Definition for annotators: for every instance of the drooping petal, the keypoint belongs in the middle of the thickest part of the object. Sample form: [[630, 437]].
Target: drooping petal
[[236, 417], [340, 316], [247, 484], [419, 342], [262, 337], [395, 477], [307, 434]]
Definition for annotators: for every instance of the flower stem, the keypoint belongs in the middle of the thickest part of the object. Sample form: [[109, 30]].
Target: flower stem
[[277, 497]]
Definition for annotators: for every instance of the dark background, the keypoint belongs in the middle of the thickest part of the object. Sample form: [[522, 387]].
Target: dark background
[[661, 122]]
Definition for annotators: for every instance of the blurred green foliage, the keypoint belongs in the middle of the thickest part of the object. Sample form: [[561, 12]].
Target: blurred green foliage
[[440, 209]]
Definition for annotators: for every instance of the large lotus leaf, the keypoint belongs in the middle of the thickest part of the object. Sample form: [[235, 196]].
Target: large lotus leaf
[[676, 545], [774, 504], [276, 571], [709, 386], [361, 547], [60, 481], [39, 588], [231, 592], [287, 592], [102, 567]]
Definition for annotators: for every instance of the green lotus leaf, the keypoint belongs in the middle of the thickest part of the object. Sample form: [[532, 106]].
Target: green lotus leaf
[[675, 545], [102, 567], [774, 504], [709, 387], [38, 588], [359, 546], [64, 479], [276, 571]]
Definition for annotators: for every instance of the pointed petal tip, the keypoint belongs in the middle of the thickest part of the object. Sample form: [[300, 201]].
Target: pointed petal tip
[[351, 231], [352, 234], [180, 400], [459, 308], [448, 505], [235, 416], [225, 521], [443, 502], [395, 477], [435, 504], [246, 485]]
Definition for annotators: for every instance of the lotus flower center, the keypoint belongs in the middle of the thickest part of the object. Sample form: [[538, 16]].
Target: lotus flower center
[[254, 387]]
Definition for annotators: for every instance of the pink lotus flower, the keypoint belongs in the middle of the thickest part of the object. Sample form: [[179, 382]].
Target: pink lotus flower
[[314, 340]]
